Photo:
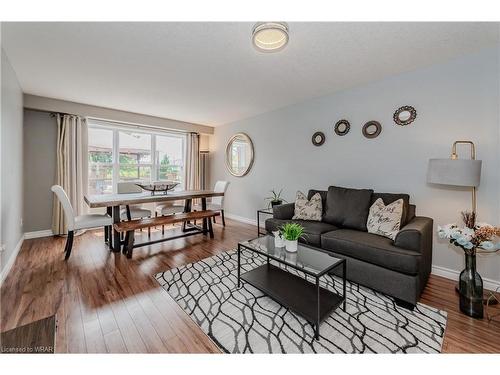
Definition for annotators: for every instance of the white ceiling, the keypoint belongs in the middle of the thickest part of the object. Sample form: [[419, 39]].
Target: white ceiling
[[209, 73]]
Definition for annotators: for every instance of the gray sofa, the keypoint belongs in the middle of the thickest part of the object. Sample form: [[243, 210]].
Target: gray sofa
[[399, 268]]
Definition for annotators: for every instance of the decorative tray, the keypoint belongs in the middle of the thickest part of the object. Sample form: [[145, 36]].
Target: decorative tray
[[158, 188]]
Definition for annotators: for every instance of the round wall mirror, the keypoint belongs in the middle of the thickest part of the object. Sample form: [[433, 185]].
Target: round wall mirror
[[239, 154], [342, 127], [372, 129], [405, 115]]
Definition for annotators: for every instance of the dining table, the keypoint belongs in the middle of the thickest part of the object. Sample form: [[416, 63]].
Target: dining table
[[114, 202]]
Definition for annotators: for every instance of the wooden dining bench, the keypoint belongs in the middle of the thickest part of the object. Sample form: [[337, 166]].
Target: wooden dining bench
[[128, 227]]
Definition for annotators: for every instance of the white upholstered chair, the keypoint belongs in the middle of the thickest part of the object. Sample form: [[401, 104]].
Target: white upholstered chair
[[136, 210], [170, 208], [78, 222], [217, 203]]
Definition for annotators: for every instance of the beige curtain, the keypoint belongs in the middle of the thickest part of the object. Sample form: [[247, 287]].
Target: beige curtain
[[72, 167], [192, 162]]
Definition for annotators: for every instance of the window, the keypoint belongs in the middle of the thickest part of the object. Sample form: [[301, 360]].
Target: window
[[169, 158], [117, 154], [100, 161], [135, 156]]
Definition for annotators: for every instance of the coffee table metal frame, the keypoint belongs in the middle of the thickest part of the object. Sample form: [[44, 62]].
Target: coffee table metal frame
[[293, 291], [263, 211]]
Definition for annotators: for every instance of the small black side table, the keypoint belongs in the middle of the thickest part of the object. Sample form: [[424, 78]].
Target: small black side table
[[263, 211]]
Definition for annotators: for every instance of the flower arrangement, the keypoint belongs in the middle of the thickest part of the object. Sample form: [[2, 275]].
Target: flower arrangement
[[471, 236]]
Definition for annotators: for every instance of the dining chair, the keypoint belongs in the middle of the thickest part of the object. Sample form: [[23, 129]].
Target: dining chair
[[74, 223], [170, 208], [217, 203], [135, 211]]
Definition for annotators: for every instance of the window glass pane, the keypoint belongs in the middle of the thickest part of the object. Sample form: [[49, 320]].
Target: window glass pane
[[100, 145], [100, 179], [135, 173], [135, 148], [136, 161], [170, 158]]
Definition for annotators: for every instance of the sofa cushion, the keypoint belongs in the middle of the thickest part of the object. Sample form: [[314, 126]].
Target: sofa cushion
[[385, 220], [347, 208], [372, 249], [388, 198], [308, 209], [322, 193], [312, 229]]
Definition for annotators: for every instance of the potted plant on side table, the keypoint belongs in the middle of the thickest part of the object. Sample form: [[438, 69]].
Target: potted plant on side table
[[275, 199], [291, 233]]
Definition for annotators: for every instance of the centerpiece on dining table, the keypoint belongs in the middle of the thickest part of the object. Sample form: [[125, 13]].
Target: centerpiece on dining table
[[158, 188]]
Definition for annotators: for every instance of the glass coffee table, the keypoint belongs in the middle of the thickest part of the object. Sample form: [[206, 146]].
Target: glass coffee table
[[307, 299]]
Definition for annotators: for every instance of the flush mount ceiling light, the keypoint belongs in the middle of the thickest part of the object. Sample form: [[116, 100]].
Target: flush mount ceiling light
[[270, 36]]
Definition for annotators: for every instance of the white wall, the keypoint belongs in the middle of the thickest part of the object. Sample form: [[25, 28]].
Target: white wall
[[11, 164], [455, 100], [40, 160], [41, 103]]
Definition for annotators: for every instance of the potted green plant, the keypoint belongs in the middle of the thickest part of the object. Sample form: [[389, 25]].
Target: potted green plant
[[275, 199], [291, 233]]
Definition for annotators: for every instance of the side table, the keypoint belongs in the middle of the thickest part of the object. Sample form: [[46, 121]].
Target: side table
[[263, 211]]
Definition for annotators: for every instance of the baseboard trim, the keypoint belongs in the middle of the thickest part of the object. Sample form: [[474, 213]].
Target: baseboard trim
[[241, 219], [11, 260], [447, 273], [38, 234]]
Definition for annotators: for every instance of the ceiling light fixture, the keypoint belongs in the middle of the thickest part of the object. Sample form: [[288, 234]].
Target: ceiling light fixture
[[270, 36]]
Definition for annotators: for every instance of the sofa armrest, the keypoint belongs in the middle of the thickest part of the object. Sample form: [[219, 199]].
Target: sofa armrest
[[416, 235], [284, 211]]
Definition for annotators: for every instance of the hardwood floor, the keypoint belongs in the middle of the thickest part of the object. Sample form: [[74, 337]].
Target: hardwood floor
[[107, 303]]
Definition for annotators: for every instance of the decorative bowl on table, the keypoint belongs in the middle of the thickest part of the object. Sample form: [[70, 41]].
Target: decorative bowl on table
[[158, 188]]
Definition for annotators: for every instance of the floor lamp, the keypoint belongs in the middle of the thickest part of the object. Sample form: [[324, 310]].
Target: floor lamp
[[457, 172]]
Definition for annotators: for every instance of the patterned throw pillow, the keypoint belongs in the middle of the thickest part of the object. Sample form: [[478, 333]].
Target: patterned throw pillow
[[308, 209], [385, 220]]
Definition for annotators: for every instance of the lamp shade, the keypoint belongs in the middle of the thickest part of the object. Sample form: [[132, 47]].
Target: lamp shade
[[456, 172]]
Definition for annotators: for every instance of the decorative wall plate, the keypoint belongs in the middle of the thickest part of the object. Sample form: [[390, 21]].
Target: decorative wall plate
[[318, 138], [405, 115], [372, 129], [342, 127]]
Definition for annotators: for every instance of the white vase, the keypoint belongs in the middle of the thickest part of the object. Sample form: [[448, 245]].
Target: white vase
[[279, 242], [291, 246]]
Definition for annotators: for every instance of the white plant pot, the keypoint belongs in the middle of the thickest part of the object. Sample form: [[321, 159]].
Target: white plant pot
[[279, 242], [291, 246]]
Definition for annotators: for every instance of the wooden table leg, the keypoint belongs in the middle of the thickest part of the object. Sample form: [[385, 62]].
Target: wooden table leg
[[116, 235], [187, 208], [204, 208], [128, 246], [108, 238]]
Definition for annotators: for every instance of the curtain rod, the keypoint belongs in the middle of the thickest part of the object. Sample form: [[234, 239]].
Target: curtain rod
[[124, 123], [138, 126], [54, 114]]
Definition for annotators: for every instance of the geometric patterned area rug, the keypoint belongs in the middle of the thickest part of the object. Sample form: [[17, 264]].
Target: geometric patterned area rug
[[244, 320]]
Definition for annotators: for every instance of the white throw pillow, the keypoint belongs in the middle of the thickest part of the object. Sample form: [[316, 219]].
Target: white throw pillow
[[308, 209], [385, 220]]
